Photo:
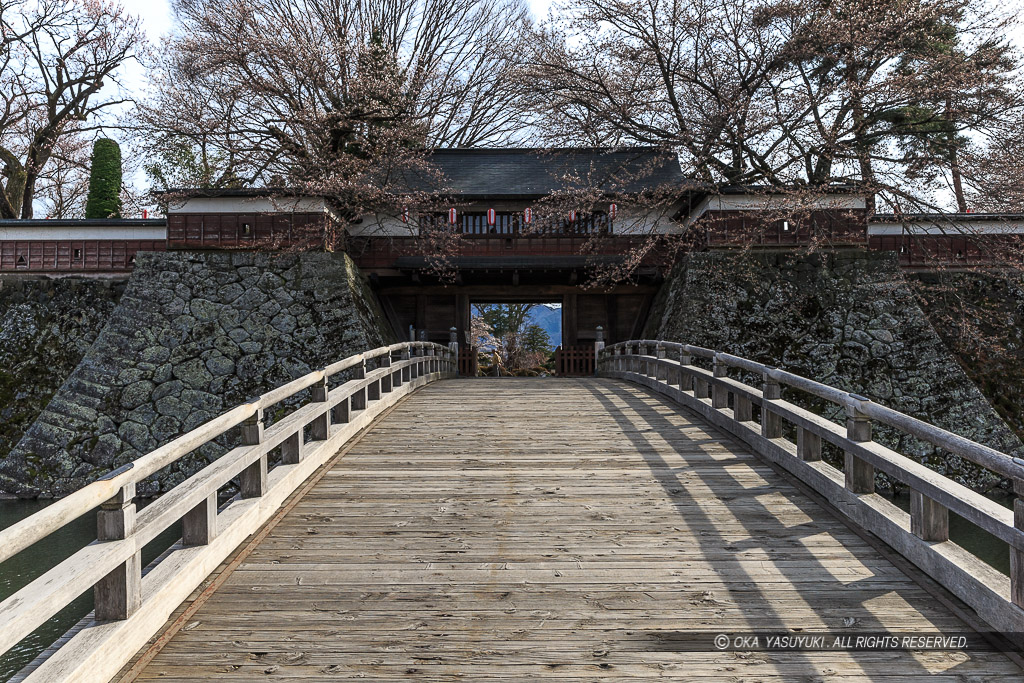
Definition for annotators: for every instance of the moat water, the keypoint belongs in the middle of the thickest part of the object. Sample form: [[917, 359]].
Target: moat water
[[33, 562]]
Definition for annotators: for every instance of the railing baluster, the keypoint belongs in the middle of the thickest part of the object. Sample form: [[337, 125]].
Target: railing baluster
[[685, 378], [1017, 555], [771, 423], [406, 373], [319, 428], [118, 595], [199, 525], [929, 520], [860, 475], [808, 445], [253, 479], [719, 392]]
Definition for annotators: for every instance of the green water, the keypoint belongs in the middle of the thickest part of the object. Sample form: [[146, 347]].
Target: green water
[[36, 560], [981, 544]]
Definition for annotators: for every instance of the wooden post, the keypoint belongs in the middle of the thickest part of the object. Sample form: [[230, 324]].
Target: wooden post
[[453, 346], [1016, 555], [929, 520], [660, 371], [385, 381], [685, 378], [701, 389], [407, 368], [319, 427], [860, 476], [598, 350], [118, 595], [719, 392], [808, 445], [253, 479], [340, 413], [771, 423], [199, 525], [742, 409]]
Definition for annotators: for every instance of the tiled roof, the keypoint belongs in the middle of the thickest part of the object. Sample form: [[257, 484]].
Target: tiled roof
[[535, 172]]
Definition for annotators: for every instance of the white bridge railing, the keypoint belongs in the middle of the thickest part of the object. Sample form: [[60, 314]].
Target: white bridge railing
[[922, 536], [130, 608]]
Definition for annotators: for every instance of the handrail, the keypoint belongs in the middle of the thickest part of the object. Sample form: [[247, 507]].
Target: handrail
[[923, 536], [112, 566]]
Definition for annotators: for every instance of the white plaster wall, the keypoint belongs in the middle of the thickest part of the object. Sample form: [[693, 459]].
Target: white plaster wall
[[91, 232]]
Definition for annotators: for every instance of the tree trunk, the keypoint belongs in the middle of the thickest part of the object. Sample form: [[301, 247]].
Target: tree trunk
[[12, 192], [954, 160]]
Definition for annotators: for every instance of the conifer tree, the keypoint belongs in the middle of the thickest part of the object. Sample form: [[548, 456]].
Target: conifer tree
[[104, 199]]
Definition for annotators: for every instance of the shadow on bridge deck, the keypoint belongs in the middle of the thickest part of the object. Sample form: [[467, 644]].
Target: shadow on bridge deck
[[570, 529]]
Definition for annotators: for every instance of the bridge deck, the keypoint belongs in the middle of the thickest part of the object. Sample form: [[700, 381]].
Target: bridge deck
[[578, 529]]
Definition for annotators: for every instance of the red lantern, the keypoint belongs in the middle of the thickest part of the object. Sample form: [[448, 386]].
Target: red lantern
[[452, 215], [527, 215], [490, 216], [145, 213], [405, 215], [613, 211], [572, 216]]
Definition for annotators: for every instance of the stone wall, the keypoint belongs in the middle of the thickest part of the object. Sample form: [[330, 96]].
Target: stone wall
[[193, 335], [847, 318], [46, 326], [980, 317]]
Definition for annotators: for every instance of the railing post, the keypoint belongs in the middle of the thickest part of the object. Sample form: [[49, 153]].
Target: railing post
[[118, 595], [385, 381], [253, 479], [771, 423], [406, 374], [319, 428], [357, 401], [860, 475], [719, 392], [1017, 555], [685, 378], [929, 520], [598, 349], [453, 346], [808, 445], [199, 525], [660, 371]]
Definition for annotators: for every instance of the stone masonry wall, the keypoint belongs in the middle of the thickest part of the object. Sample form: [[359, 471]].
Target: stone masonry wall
[[46, 327], [980, 317], [845, 318], [194, 334]]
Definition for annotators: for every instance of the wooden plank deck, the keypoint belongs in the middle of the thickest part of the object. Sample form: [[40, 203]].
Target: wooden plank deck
[[561, 528]]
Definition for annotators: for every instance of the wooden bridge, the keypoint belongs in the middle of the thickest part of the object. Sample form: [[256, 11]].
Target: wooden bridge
[[577, 529]]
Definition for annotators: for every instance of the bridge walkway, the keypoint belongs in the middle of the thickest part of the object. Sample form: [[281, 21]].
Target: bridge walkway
[[570, 529]]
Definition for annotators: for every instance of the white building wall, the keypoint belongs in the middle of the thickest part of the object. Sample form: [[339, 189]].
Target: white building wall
[[89, 232]]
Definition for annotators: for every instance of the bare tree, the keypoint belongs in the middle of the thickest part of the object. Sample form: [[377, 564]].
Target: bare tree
[[783, 92], [58, 59], [315, 84]]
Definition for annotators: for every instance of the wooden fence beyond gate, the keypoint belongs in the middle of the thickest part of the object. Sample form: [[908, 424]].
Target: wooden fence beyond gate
[[574, 361]]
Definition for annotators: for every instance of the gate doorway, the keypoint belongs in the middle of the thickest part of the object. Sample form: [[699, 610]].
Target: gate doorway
[[513, 338]]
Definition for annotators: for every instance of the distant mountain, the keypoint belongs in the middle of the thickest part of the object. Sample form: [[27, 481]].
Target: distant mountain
[[550, 320]]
